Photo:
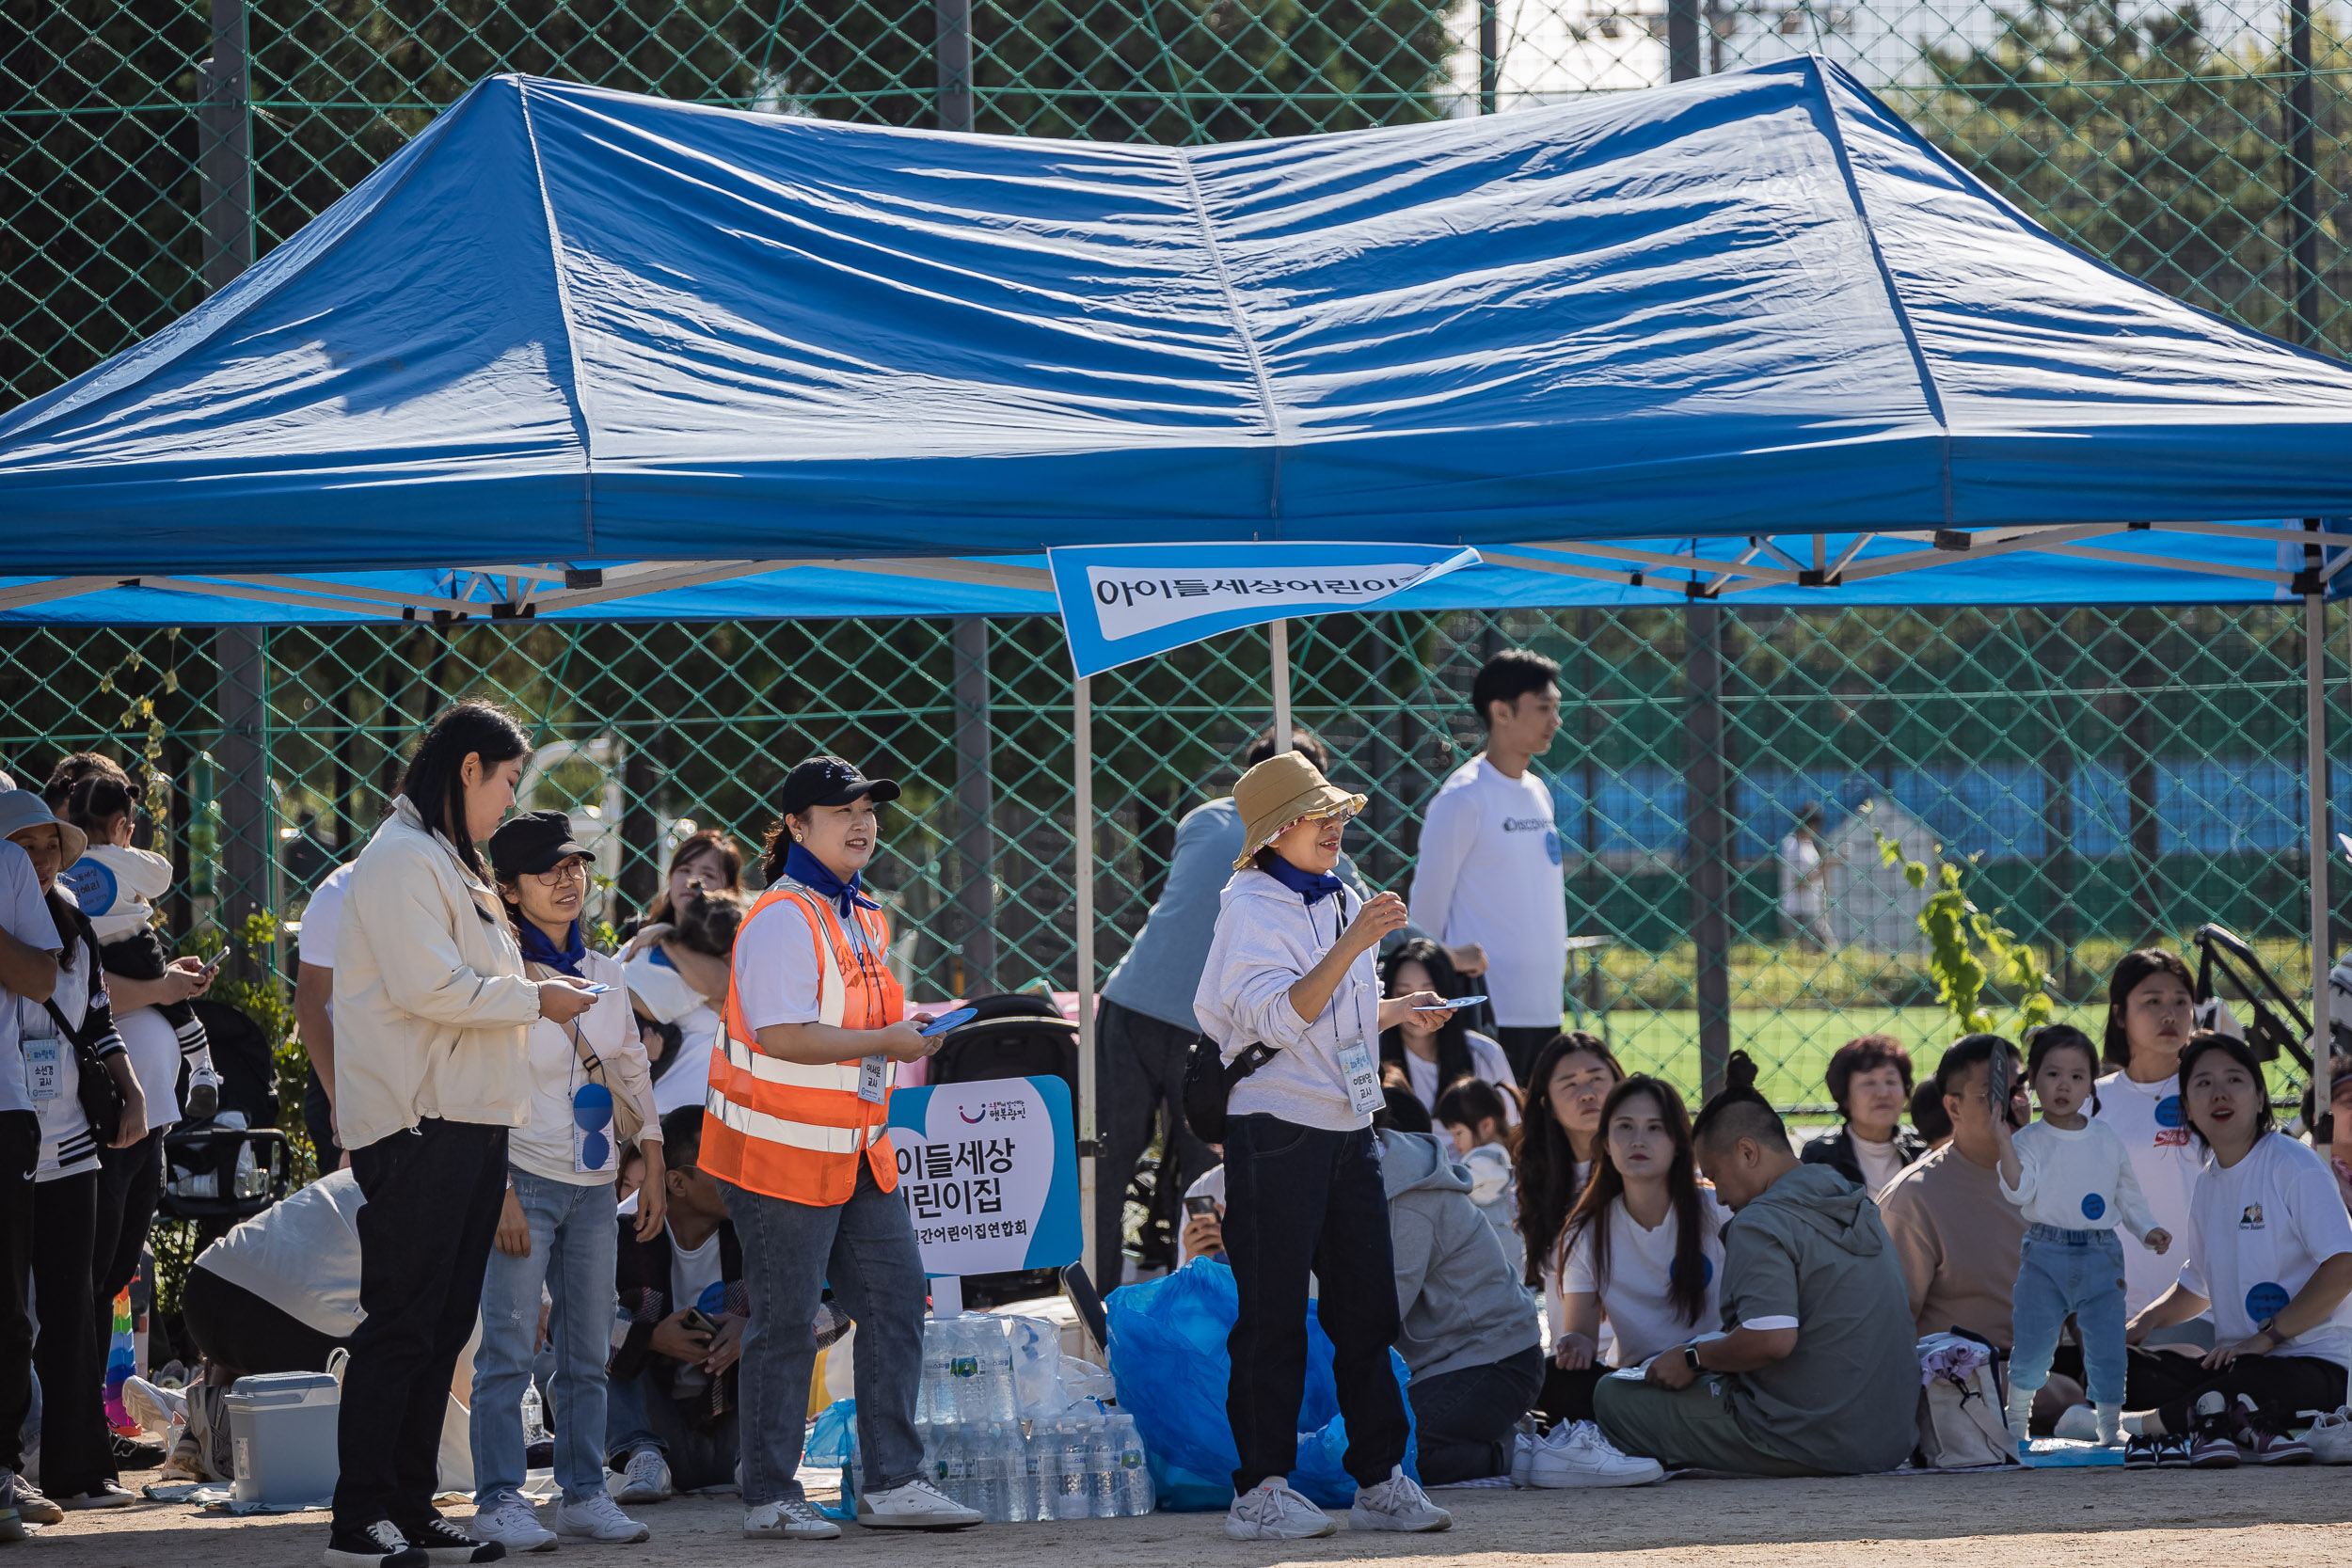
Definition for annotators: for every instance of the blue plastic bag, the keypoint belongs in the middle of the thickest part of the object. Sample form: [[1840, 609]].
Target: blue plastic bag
[[828, 1447], [1168, 1359]]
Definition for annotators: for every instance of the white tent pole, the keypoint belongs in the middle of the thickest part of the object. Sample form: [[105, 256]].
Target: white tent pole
[[1082, 735], [1281, 637], [2315, 724]]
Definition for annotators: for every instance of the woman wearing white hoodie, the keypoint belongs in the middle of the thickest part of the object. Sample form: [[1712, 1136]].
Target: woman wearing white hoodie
[[1291, 998]]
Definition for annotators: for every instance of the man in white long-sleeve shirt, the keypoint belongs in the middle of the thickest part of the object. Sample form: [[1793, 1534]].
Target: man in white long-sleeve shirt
[[1488, 871]]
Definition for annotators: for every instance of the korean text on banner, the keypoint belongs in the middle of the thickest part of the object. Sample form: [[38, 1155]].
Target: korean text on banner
[[989, 1173], [1123, 602]]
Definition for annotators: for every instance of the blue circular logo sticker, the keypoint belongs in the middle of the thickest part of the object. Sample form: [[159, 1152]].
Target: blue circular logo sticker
[[91, 884], [1551, 844], [2168, 1111], [2094, 1206], [2265, 1300], [1707, 1270]]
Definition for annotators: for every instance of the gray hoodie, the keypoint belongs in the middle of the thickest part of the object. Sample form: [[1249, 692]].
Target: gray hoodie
[[1457, 1295], [1811, 1251]]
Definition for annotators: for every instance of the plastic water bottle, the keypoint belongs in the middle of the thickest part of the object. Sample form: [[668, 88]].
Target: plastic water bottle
[[534, 1423], [971, 1396], [992, 1478], [1133, 1480], [1069, 1471], [935, 1401], [1004, 1402], [1040, 1485], [1101, 1469], [952, 1471], [1019, 1482]]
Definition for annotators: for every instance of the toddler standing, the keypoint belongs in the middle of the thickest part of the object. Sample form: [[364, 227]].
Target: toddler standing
[[2073, 1176]]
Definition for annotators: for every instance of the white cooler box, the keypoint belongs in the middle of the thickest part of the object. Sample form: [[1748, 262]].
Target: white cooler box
[[283, 1425]]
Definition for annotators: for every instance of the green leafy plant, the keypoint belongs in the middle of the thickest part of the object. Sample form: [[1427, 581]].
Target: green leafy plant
[[1968, 949]]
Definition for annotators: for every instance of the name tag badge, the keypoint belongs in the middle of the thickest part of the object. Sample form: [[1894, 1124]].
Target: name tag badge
[[873, 1079], [44, 1066], [1363, 1078]]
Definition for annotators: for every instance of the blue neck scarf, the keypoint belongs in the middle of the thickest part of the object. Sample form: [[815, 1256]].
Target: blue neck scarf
[[1306, 884], [538, 949], [814, 875]]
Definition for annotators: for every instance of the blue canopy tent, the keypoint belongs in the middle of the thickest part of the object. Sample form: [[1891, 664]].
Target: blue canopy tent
[[1749, 334]]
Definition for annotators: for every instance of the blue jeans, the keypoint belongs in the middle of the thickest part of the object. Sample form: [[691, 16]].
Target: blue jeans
[[2060, 1272], [639, 1414], [574, 1239], [865, 1249]]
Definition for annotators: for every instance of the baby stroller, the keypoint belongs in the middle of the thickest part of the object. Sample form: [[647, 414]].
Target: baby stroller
[[236, 1163], [1013, 1036]]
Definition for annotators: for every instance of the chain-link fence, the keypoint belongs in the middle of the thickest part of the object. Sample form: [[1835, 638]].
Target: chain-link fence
[[2105, 778]]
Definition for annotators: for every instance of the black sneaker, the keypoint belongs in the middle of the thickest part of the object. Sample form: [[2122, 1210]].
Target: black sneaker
[[2172, 1451], [379, 1545], [2140, 1453], [445, 1544], [132, 1454], [2259, 1441]]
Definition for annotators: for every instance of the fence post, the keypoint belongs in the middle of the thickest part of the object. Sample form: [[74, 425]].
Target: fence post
[[2303, 193], [954, 47], [976, 834], [1489, 53], [225, 149], [1682, 40], [1711, 929], [249, 851]]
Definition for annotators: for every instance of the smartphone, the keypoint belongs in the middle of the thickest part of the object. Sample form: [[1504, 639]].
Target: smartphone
[[1200, 1203], [212, 965], [596, 988], [1454, 1006], [694, 1323]]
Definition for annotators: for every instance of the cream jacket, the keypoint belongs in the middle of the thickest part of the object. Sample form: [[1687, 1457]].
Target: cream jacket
[[432, 1009]]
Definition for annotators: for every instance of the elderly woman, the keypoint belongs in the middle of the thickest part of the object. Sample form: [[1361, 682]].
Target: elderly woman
[[1292, 1000], [432, 1014], [1870, 1082]]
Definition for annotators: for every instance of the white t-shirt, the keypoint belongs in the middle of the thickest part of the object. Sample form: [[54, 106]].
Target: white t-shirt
[[2264, 1225], [543, 1145], [25, 915], [1488, 871], [1487, 1061], [1211, 1186], [1800, 877], [321, 919], [1637, 1300], [154, 1049], [669, 999], [1879, 1163], [301, 1255], [697, 1278], [777, 976], [2078, 1179], [2168, 1162], [68, 1146], [117, 886]]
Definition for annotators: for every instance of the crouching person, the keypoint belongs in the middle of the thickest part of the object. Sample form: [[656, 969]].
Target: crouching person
[[1816, 1373], [1470, 1336], [671, 1420]]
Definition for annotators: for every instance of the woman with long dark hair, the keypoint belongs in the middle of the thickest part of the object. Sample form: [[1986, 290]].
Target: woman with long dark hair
[[1435, 1051], [432, 1012], [1641, 1249], [2150, 1015], [1558, 1141]]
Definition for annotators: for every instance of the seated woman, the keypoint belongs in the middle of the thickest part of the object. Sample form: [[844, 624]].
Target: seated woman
[[1640, 1251], [1869, 1081], [1436, 1049], [1558, 1140], [2272, 1259]]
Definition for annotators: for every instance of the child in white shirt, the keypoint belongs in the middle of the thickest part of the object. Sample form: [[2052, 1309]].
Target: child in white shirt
[[2073, 1176], [1477, 1116]]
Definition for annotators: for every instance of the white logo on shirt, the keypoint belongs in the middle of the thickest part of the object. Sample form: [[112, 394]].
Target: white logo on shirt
[[1525, 825]]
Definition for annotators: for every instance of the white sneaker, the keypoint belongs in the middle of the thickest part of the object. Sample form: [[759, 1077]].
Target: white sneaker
[[645, 1478], [1270, 1510], [597, 1519], [514, 1524], [917, 1505], [795, 1518], [1523, 1460], [2077, 1423], [1576, 1454], [2330, 1437], [156, 1410], [1397, 1503]]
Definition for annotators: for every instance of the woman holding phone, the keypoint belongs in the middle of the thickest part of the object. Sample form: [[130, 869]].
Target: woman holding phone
[[1291, 999]]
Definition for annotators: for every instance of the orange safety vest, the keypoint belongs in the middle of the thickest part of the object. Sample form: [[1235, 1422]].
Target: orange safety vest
[[792, 1129]]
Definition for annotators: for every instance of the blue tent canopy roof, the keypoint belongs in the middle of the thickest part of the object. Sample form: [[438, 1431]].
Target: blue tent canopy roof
[[565, 324]]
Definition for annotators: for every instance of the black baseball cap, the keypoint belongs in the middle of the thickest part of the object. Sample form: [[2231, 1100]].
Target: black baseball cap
[[830, 781], [535, 841]]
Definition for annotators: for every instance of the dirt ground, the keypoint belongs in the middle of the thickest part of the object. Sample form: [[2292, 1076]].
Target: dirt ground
[[2077, 1518]]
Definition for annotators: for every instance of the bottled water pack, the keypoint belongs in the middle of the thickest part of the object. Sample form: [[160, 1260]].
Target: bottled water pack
[[1074, 1467]]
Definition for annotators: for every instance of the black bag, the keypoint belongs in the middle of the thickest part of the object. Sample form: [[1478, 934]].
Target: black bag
[[100, 1095], [1209, 1084]]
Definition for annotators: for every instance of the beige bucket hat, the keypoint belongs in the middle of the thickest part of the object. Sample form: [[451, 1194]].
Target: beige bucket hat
[[1283, 789]]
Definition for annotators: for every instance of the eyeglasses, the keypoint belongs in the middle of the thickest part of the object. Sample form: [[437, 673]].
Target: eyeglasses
[[592, 1112], [570, 871], [1342, 816]]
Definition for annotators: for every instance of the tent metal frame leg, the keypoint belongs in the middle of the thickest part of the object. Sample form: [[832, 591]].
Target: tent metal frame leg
[[1082, 737], [2320, 787]]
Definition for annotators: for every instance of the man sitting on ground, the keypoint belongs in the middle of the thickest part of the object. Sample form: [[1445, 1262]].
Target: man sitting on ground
[[1816, 1373], [670, 1415]]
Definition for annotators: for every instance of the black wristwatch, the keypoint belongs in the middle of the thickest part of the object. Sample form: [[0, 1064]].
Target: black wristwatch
[[1690, 1358]]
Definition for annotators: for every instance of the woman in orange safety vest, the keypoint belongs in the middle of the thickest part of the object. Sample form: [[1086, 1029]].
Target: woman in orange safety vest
[[796, 1128]]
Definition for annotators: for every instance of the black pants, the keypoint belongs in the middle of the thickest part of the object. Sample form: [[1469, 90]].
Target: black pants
[[76, 1455], [20, 1151], [432, 1201], [1141, 1064], [318, 1118], [1567, 1396], [1521, 1048], [237, 1330], [130, 1184], [2280, 1386], [1299, 1198], [1463, 1421]]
